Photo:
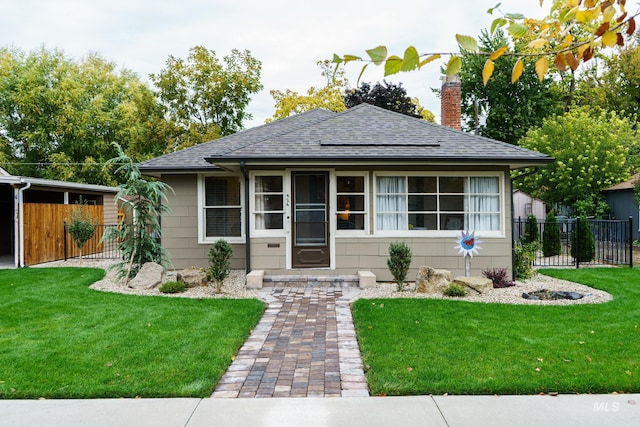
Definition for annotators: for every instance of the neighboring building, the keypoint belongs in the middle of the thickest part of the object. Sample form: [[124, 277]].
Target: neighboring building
[[622, 203], [524, 205], [32, 215], [326, 193]]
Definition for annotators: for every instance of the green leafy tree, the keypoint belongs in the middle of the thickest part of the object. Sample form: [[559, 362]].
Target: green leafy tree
[[583, 247], [59, 117], [328, 96], [139, 238], [592, 152], [386, 95], [509, 110], [531, 232], [551, 242], [205, 97], [81, 225], [613, 84], [399, 262], [220, 262]]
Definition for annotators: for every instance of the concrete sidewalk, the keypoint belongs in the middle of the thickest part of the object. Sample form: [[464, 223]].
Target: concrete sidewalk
[[566, 410]]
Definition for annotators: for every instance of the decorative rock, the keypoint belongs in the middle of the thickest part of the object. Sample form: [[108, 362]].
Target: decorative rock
[[192, 277], [430, 280], [150, 276], [479, 284]]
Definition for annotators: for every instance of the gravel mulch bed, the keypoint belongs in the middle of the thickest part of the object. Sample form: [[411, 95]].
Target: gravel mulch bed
[[234, 287], [510, 295]]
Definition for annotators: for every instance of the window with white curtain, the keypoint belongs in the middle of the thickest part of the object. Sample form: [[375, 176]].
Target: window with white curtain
[[268, 202], [391, 202], [483, 203], [426, 203]]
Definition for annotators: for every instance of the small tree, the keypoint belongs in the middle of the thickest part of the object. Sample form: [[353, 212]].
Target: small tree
[[140, 238], [523, 257], [583, 246], [551, 243], [531, 233], [399, 262], [220, 262], [81, 224]]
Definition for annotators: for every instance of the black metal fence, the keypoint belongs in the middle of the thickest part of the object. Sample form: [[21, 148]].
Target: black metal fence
[[94, 248], [613, 242]]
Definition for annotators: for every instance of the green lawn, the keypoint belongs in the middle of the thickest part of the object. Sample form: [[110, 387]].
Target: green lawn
[[412, 346], [60, 339]]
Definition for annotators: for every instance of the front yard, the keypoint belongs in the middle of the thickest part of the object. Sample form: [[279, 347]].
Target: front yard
[[422, 346], [59, 339]]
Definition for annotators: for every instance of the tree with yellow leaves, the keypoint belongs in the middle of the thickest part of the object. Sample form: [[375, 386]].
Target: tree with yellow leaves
[[329, 96]]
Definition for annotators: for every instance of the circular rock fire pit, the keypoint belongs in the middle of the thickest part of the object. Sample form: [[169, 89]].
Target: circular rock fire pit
[[544, 294]]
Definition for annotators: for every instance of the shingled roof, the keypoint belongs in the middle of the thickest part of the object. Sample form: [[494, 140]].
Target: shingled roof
[[361, 134]]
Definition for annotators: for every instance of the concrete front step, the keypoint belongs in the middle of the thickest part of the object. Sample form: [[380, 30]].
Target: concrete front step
[[311, 281], [256, 279]]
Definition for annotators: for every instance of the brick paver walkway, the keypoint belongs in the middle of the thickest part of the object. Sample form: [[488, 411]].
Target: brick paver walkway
[[304, 346]]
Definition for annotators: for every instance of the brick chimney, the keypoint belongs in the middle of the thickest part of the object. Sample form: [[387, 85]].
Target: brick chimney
[[450, 98]]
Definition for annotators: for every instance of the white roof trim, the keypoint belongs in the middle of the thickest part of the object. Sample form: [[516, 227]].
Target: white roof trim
[[11, 179]]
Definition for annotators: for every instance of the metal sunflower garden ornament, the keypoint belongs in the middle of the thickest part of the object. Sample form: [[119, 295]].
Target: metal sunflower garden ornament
[[467, 244]]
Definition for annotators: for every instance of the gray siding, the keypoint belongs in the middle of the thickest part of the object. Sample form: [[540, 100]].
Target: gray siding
[[623, 205], [180, 226]]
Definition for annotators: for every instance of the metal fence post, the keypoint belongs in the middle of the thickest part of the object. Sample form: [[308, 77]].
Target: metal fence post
[[576, 238], [631, 242]]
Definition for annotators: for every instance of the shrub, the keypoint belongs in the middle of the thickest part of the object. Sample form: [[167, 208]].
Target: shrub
[[551, 243], [220, 262], [499, 277], [172, 287], [81, 225], [523, 256], [454, 290], [582, 241], [531, 232], [399, 262]]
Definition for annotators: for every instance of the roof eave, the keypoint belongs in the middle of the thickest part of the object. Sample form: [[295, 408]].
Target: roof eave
[[513, 162]]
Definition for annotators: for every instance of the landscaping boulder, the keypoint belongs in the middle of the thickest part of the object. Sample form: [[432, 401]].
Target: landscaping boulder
[[150, 276], [430, 280], [192, 277], [480, 285]]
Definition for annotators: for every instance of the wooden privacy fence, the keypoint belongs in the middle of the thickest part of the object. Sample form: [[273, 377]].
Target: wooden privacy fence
[[44, 234]]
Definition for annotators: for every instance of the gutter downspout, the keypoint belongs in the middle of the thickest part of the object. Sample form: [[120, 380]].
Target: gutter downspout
[[20, 234], [247, 218]]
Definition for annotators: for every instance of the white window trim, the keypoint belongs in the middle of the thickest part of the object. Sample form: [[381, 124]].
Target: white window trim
[[367, 208], [204, 240], [252, 203], [439, 233]]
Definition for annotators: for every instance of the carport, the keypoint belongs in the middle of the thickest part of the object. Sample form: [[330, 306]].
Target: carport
[[33, 211]]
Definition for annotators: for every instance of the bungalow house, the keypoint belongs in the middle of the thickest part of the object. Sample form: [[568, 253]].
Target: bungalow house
[[324, 193], [33, 211], [622, 203]]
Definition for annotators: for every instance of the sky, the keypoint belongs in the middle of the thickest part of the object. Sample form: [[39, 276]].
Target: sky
[[287, 36]]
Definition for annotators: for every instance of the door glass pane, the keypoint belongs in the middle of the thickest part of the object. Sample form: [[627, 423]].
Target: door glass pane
[[310, 209]]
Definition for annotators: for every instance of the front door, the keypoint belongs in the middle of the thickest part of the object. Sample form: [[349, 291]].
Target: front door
[[310, 224]]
